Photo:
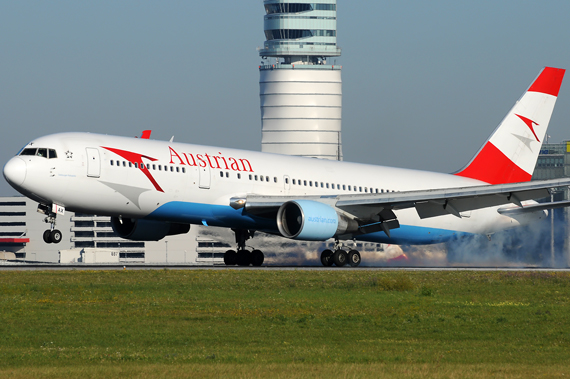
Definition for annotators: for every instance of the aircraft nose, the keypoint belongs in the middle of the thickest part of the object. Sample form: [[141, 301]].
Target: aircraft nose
[[15, 171]]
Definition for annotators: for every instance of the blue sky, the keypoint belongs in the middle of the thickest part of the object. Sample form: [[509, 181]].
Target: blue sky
[[424, 83]]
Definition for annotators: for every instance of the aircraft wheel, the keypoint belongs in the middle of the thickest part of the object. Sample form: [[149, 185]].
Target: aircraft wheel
[[257, 258], [326, 258], [354, 258], [243, 258], [46, 236], [55, 236], [340, 258], [230, 258]]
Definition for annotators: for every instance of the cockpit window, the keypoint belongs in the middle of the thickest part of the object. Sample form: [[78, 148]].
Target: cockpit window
[[29, 152], [40, 152]]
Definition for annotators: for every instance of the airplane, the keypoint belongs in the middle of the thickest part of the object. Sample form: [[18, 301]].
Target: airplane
[[152, 189]]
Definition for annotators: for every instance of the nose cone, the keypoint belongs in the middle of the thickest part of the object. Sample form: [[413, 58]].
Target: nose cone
[[15, 171]]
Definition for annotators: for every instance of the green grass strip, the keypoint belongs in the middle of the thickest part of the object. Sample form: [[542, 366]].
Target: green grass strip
[[288, 323]]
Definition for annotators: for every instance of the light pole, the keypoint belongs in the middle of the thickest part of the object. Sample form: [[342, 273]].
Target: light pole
[[552, 231], [166, 243]]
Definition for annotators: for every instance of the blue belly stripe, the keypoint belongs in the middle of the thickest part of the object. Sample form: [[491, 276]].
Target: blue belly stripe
[[226, 216]]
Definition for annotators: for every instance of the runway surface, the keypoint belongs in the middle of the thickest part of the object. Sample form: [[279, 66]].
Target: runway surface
[[11, 266]]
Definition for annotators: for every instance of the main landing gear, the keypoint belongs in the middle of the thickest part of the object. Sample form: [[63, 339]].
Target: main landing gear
[[52, 235], [243, 257], [340, 257]]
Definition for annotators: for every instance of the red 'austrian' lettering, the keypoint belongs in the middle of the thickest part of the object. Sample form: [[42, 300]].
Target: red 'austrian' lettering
[[212, 161]]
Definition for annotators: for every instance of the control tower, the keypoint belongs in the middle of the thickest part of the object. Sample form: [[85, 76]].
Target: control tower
[[300, 90]]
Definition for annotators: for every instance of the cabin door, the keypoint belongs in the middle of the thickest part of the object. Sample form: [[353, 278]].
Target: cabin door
[[93, 163]]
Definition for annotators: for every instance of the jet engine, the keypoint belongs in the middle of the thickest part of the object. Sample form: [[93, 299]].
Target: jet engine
[[146, 230], [312, 221]]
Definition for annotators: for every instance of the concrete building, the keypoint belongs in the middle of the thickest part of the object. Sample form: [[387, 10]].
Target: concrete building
[[300, 90], [86, 238]]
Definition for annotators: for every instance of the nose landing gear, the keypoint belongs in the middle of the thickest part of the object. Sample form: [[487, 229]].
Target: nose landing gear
[[52, 235]]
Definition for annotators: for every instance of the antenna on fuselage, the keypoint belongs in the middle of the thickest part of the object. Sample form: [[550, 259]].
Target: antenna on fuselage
[[171, 138]]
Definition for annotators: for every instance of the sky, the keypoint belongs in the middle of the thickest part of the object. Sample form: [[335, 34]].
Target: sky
[[424, 83]]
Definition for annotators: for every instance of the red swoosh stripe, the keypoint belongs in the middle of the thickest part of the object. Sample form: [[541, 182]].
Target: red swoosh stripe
[[137, 158]]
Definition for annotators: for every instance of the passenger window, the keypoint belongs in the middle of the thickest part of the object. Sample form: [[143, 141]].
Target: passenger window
[[130, 164], [111, 163], [322, 185], [177, 169], [239, 175], [250, 176], [267, 179], [137, 165], [327, 185], [305, 182], [294, 181], [118, 163], [256, 178], [349, 188], [221, 174], [42, 153], [275, 179], [183, 170], [171, 168], [52, 154], [344, 187], [310, 183]]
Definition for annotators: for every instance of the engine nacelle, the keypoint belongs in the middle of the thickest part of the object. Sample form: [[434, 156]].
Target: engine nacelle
[[312, 221], [146, 230]]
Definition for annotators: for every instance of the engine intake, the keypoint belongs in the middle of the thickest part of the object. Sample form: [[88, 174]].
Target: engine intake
[[146, 230], [312, 221]]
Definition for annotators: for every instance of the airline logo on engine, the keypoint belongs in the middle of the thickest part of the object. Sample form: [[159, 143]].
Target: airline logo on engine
[[322, 220]]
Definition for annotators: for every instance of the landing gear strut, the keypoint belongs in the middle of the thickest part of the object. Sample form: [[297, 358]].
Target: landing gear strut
[[243, 257], [52, 235], [340, 257]]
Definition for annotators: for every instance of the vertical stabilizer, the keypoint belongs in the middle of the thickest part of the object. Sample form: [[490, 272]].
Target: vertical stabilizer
[[510, 154]]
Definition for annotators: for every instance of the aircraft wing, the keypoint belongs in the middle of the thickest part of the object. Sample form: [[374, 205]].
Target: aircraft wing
[[368, 209]]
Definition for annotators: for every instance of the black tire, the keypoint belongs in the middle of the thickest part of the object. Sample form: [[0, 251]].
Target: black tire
[[257, 258], [340, 258], [354, 258], [326, 258], [243, 258], [55, 236], [230, 258], [46, 236]]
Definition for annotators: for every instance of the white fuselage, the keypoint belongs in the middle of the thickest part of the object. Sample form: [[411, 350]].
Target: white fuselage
[[193, 184]]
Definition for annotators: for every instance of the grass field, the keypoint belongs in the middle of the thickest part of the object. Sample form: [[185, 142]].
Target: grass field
[[299, 324]]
